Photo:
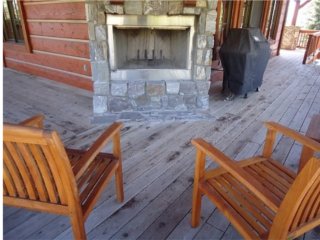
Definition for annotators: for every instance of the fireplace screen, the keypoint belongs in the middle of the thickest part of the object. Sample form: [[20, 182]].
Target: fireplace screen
[[150, 47]]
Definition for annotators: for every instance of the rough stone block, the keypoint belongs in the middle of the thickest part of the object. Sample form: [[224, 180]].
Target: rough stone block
[[211, 22], [212, 4], [189, 10], [100, 104], [208, 57], [199, 57], [136, 88], [100, 71], [91, 12], [201, 41], [203, 87], [119, 89], [91, 31], [118, 104], [155, 7], [164, 101], [190, 101], [101, 18], [176, 102], [173, 87], [101, 33], [155, 88], [203, 102], [97, 51], [187, 87], [200, 73], [105, 49], [210, 41], [201, 3], [175, 7], [115, 9], [101, 88], [155, 102], [142, 102], [133, 7], [208, 73], [202, 23]]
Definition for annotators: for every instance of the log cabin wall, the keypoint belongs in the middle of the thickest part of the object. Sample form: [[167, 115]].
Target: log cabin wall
[[57, 45]]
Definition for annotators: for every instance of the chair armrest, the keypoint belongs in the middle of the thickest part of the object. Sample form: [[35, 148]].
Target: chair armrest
[[97, 146], [306, 141], [35, 121], [237, 172]]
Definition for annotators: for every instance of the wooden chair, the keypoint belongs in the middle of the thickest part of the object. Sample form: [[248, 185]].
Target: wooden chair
[[260, 197], [40, 174]]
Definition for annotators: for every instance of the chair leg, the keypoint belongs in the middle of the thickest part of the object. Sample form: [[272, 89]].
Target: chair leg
[[119, 183], [78, 227], [196, 206]]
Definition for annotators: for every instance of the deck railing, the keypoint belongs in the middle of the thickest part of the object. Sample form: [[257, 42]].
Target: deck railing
[[313, 48], [303, 37]]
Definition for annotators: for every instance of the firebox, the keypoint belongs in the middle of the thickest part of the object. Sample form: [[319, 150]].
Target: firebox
[[150, 47]]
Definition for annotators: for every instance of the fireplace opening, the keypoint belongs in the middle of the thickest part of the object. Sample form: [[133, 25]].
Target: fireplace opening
[[150, 48]]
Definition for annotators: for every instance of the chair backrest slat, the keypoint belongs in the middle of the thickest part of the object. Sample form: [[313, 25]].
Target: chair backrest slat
[[300, 198], [303, 214], [35, 167], [13, 175], [18, 160], [45, 171]]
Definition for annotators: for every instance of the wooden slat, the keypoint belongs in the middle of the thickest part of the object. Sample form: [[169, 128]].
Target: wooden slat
[[244, 214], [36, 205], [315, 207], [310, 206], [65, 63], [72, 48], [8, 182], [243, 163], [251, 197], [67, 10], [63, 77], [23, 170], [62, 30], [45, 173], [237, 172], [293, 199], [273, 175], [56, 175], [34, 171], [269, 186], [242, 199], [99, 188], [283, 175], [13, 172]]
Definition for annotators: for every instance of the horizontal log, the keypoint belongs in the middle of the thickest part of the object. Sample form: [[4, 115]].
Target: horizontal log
[[78, 49], [65, 11], [82, 67], [62, 30], [58, 76]]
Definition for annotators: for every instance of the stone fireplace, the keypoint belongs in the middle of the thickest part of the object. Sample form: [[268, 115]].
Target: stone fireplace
[[150, 56]]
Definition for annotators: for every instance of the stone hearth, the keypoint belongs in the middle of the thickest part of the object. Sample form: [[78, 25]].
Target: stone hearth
[[150, 62]]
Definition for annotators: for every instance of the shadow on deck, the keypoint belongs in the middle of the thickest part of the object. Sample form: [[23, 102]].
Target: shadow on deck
[[158, 158]]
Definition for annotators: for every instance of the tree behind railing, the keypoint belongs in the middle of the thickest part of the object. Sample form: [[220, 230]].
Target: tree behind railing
[[313, 48]]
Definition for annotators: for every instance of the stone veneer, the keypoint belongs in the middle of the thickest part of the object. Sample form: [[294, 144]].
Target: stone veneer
[[111, 97]]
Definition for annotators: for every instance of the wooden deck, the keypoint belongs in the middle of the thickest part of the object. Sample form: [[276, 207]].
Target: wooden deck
[[158, 158]]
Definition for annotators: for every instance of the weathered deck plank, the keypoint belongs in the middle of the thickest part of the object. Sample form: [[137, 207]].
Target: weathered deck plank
[[158, 158]]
